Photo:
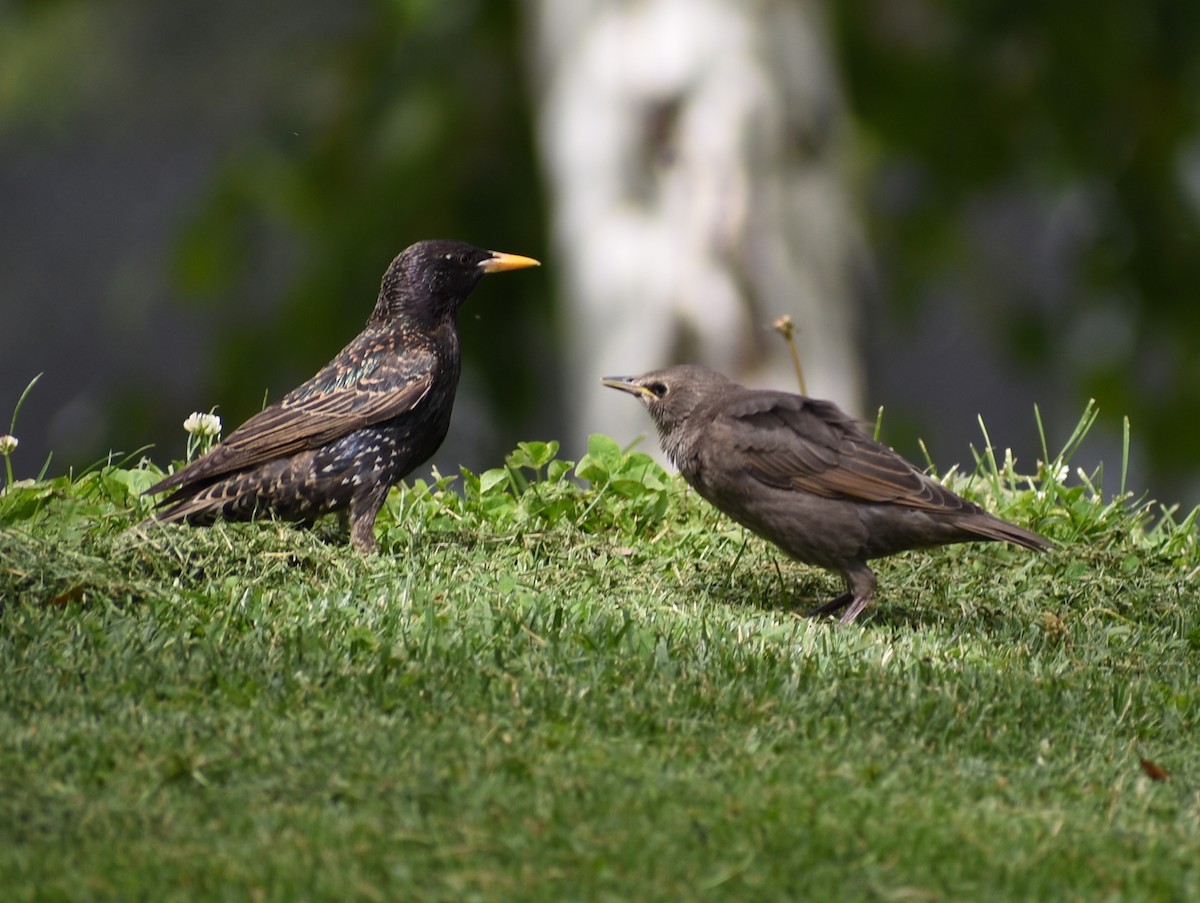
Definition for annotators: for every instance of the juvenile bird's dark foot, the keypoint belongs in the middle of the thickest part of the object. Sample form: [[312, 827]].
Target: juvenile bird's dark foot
[[860, 590], [856, 607], [833, 606], [860, 587]]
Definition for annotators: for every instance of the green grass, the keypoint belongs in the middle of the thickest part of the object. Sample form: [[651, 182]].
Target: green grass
[[539, 691]]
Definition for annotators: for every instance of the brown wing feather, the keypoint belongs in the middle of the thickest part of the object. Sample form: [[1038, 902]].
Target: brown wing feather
[[336, 401], [813, 446]]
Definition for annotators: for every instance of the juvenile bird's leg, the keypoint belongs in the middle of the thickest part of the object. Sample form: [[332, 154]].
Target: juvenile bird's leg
[[861, 583], [860, 590]]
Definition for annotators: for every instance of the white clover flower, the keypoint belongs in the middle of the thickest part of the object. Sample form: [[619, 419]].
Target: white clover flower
[[203, 425], [8, 445], [1054, 475]]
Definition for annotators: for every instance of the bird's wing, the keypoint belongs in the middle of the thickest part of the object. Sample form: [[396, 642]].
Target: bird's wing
[[352, 392], [812, 446]]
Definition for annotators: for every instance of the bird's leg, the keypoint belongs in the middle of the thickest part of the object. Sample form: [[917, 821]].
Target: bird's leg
[[860, 582], [860, 589], [363, 511]]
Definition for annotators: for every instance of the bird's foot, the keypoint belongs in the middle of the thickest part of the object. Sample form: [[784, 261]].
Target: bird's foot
[[856, 607], [860, 590], [833, 606]]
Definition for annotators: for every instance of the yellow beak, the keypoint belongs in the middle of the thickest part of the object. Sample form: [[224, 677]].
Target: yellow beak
[[499, 262]]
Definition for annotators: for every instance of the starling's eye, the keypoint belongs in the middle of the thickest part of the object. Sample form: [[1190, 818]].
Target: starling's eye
[[658, 390]]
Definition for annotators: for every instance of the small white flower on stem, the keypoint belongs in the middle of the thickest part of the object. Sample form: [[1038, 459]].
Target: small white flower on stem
[[202, 430], [8, 445], [203, 425]]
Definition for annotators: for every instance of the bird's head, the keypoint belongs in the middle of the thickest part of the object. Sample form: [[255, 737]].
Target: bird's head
[[431, 279], [672, 396]]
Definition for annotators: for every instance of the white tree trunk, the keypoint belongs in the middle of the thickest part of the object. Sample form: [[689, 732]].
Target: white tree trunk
[[693, 149]]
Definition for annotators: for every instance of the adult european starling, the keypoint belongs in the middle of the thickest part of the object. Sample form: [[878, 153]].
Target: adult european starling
[[378, 410], [801, 473]]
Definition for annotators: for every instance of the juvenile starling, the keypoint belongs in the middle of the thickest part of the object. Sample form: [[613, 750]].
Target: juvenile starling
[[802, 473], [378, 410]]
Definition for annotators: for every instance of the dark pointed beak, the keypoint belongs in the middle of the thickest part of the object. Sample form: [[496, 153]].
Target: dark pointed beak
[[499, 262], [626, 384]]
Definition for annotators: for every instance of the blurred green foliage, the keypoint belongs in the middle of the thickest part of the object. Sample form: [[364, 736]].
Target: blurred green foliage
[[222, 185], [425, 134], [1081, 120]]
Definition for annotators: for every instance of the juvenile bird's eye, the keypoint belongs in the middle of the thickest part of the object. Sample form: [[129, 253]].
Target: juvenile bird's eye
[[658, 390]]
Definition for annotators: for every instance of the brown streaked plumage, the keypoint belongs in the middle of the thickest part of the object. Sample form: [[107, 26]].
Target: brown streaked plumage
[[801, 473], [378, 410]]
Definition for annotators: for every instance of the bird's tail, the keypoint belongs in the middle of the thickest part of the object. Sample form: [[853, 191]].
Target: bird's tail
[[990, 527], [178, 507], [175, 509]]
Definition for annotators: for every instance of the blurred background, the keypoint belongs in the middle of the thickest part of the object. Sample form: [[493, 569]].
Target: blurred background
[[966, 208]]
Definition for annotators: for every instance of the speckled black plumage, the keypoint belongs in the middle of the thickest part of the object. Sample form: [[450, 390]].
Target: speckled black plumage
[[378, 410], [801, 473]]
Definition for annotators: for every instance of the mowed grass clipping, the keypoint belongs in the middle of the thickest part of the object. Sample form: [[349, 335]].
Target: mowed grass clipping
[[543, 689]]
